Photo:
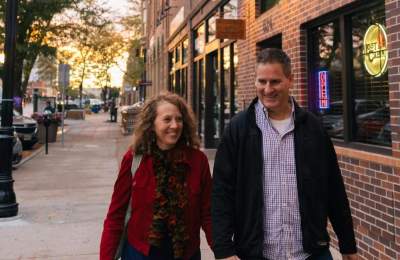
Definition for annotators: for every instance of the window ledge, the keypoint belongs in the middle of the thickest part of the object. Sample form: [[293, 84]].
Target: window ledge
[[367, 156]]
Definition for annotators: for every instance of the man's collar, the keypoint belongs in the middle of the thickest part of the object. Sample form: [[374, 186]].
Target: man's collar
[[260, 105]]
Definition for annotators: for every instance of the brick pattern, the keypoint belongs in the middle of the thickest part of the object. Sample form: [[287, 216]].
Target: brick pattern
[[372, 194]]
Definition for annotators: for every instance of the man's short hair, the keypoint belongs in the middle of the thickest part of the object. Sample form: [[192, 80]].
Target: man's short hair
[[274, 55]]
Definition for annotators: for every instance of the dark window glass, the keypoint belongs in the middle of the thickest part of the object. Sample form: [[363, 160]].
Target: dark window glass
[[178, 54], [184, 83], [177, 85], [199, 40], [171, 64], [227, 86], [326, 56], [267, 4], [199, 95], [371, 92], [234, 99], [185, 45]]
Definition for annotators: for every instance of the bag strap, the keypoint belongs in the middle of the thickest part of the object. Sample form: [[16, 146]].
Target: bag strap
[[135, 165]]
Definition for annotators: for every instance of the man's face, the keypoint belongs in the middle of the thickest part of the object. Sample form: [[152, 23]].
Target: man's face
[[273, 86]]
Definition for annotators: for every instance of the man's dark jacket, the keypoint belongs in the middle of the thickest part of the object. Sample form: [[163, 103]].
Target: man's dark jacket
[[237, 197]]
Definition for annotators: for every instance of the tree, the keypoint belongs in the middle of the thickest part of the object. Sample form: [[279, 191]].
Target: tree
[[47, 70], [134, 27], [109, 48], [91, 20], [41, 29], [34, 25]]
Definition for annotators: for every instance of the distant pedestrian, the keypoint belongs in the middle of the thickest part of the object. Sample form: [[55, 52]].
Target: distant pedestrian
[[49, 108], [170, 191], [276, 179], [113, 111]]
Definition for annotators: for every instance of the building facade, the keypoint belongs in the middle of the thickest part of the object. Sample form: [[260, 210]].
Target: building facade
[[346, 67]]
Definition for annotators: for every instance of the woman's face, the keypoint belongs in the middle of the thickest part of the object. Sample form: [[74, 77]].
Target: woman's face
[[168, 125]]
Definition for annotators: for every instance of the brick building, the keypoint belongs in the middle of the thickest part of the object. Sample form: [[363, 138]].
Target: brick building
[[346, 65]]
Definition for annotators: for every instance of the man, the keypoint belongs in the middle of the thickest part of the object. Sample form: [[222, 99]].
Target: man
[[49, 108], [276, 178]]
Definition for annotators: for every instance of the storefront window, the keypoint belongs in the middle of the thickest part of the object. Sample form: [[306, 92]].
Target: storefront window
[[235, 81], [327, 65], [267, 4], [230, 9], [352, 99], [185, 45], [371, 88], [211, 28], [226, 52], [178, 69], [199, 40], [184, 83], [178, 54], [199, 95]]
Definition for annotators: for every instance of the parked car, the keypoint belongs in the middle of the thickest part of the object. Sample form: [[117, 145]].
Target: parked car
[[332, 118], [373, 126], [26, 129]]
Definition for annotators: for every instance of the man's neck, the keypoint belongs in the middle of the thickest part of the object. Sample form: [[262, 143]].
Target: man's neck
[[281, 113]]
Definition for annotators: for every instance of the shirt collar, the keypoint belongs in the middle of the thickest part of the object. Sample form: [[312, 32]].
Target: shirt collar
[[264, 110]]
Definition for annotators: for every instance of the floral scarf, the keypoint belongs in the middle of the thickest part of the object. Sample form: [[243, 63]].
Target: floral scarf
[[171, 198]]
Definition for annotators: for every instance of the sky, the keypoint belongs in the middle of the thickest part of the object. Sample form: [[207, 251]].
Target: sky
[[120, 7]]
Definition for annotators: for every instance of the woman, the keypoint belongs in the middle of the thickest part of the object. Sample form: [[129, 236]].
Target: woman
[[170, 190]]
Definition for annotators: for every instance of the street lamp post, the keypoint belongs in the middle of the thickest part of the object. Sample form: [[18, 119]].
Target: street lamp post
[[8, 204]]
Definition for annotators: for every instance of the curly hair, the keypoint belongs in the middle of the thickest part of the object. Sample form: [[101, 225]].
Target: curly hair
[[144, 135]]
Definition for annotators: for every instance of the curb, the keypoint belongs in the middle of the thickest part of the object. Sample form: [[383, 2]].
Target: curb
[[38, 151], [31, 156]]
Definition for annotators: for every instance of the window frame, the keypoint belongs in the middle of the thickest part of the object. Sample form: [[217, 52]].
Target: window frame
[[343, 16]]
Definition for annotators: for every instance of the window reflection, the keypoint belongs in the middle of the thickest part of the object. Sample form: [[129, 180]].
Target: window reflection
[[371, 93], [327, 55], [211, 28], [230, 10], [185, 45], [199, 40]]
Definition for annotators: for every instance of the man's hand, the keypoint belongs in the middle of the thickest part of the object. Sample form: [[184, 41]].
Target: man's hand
[[350, 257], [233, 258]]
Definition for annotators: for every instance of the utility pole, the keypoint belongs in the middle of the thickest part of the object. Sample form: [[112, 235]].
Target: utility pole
[[8, 204]]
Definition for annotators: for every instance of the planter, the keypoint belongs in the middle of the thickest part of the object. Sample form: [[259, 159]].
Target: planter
[[52, 133]]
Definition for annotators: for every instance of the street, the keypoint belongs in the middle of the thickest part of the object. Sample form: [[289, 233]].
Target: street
[[63, 196]]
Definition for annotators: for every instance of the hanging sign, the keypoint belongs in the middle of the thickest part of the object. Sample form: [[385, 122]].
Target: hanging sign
[[233, 29], [375, 50], [323, 89]]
